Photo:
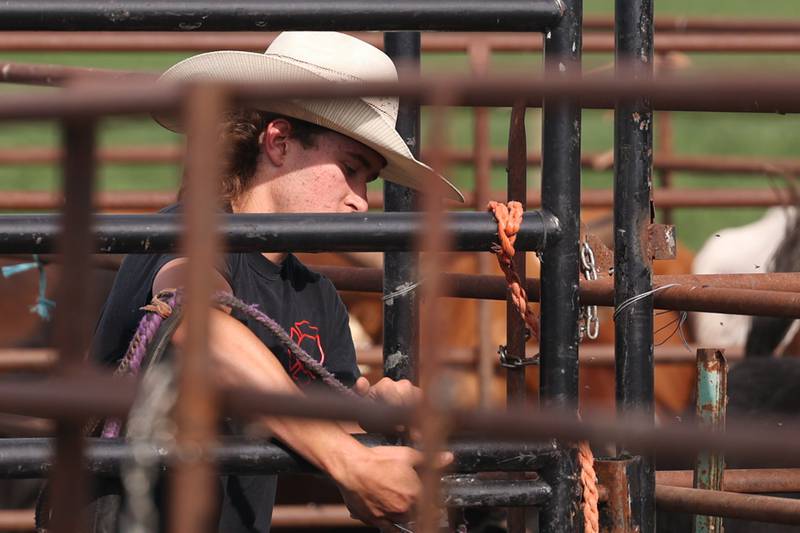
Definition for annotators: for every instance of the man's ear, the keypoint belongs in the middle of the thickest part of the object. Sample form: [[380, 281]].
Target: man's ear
[[274, 140]]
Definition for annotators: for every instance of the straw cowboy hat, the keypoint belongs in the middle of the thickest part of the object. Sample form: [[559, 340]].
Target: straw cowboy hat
[[319, 56]]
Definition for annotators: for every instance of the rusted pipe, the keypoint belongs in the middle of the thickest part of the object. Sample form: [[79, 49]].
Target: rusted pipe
[[17, 520], [103, 395], [137, 201], [41, 360], [722, 93], [712, 164], [31, 359], [729, 504], [759, 41], [320, 516], [755, 480]]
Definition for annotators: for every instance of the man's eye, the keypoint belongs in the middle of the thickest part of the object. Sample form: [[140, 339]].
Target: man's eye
[[348, 170]]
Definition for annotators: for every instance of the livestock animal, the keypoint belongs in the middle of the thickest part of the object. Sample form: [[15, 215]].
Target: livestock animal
[[745, 249]]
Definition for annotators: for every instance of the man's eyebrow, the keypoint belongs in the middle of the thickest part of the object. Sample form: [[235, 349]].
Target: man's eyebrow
[[361, 159]]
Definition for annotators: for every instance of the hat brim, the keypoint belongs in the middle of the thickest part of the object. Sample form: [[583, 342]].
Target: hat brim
[[352, 117]]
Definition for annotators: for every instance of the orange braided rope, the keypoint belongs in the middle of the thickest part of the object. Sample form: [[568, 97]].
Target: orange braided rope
[[509, 220]]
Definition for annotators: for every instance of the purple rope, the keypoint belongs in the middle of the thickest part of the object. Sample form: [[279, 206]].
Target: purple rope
[[132, 362], [312, 364], [151, 321]]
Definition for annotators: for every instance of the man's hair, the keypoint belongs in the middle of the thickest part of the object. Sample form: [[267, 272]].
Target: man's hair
[[240, 134]]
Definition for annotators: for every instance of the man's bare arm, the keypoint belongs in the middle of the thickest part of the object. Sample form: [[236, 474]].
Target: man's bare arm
[[379, 484]]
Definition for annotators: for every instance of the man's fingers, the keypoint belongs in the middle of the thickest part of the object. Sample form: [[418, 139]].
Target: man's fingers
[[362, 386], [444, 459]]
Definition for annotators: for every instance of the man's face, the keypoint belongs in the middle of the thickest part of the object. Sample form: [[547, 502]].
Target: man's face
[[329, 177]]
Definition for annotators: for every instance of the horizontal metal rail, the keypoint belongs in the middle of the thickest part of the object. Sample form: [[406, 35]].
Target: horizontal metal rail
[[160, 233], [33, 457], [43, 360], [753, 480], [102, 395], [138, 201], [739, 294], [721, 93], [84, 41], [165, 154], [729, 504], [257, 15]]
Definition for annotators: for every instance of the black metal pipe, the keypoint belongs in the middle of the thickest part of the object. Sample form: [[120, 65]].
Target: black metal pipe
[[32, 457], [561, 179], [258, 15], [633, 212], [401, 269], [473, 491], [275, 232]]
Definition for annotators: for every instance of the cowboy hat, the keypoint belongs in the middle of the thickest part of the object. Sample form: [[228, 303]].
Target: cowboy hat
[[320, 56]]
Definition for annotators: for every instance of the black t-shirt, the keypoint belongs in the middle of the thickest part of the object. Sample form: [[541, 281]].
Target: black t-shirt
[[303, 302]]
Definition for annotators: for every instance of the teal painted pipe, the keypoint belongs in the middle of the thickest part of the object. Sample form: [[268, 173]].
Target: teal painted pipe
[[712, 398]]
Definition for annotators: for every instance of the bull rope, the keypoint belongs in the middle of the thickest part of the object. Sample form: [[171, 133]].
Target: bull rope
[[162, 306], [509, 220]]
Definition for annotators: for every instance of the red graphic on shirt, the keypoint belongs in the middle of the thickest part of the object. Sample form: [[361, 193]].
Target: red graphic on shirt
[[307, 337]]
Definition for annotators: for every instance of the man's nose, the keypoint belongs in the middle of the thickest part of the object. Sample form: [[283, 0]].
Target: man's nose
[[357, 202]]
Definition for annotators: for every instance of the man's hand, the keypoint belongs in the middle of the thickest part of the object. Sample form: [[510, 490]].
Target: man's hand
[[380, 486], [399, 393]]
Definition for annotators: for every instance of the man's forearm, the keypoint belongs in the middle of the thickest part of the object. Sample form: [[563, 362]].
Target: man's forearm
[[242, 359]]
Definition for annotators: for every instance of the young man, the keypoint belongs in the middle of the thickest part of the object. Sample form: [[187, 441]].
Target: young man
[[297, 156]]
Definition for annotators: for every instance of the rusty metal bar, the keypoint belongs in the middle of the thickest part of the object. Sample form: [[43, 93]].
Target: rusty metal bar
[[17, 520], [480, 54], [712, 398], [73, 320], [712, 164], [103, 395], [742, 480], [313, 515], [710, 24], [143, 201], [723, 93], [430, 413], [591, 354], [516, 329], [729, 504], [615, 477], [193, 482], [782, 40]]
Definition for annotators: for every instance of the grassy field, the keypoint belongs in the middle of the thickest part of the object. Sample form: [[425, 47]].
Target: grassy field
[[694, 133]]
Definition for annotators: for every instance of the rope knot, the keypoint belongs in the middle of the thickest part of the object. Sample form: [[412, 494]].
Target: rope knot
[[159, 305], [509, 221]]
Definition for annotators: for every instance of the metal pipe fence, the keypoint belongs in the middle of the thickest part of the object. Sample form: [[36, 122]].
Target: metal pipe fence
[[72, 395]]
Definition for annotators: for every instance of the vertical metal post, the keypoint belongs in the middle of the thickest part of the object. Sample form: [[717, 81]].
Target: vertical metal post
[[73, 323], [633, 161], [515, 325], [193, 483], [400, 269], [561, 172], [430, 412], [479, 55], [712, 397]]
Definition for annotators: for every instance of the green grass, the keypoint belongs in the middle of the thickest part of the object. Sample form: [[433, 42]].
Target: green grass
[[694, 133]]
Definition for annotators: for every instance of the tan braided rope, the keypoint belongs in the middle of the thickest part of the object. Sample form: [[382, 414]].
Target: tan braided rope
[[509, 220]]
